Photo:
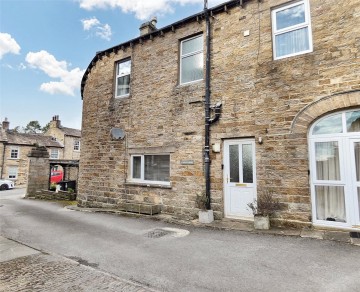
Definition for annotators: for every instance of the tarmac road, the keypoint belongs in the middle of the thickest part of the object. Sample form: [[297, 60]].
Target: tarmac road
[[181, 258]]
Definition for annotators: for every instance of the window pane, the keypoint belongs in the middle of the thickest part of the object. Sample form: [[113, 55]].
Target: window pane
[[192, 68], [234, 163], [136, 167], [292, 42], [247, 161], [193, 45], [358, 190], [357, 160], [327, 161], [123, 85], [330, 203], [353, 121], [329, 125], [290, 16], [157, 167], [124, 68]]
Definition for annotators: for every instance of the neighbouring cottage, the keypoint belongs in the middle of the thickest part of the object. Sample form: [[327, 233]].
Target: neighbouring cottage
[[63, 145], [69, 137], [287, 74]]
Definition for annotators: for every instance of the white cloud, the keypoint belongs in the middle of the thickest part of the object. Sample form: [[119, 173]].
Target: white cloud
[[101, 30], [8, 45], [69, 79], [89, 23], [143, 9]]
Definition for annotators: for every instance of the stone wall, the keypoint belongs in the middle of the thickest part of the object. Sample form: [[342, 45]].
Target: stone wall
[[261, 97], [38, 172]]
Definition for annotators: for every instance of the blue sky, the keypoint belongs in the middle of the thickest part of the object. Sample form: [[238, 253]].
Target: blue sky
[[45, 46]]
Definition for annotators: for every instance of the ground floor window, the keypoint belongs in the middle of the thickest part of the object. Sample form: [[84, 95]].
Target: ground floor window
[[150, 168], [12, 172], [335, 169]]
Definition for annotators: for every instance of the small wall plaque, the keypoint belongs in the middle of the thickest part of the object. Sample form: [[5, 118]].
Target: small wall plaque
[[187, 162]]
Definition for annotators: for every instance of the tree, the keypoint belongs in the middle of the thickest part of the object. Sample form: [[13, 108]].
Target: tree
[[45, 128], [33, 127]]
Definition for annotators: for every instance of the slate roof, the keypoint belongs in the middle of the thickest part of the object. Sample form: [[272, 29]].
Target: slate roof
[[71, 131], [29, 139]]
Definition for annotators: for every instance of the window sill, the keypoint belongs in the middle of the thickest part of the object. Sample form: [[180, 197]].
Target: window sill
[[189, 83], [122, 97], [148, 185]]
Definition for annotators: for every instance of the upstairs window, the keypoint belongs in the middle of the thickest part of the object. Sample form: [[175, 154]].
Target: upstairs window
[[291, 30], [54, 154], [77, 145], [150, 169], [191, 59], [123, 71], [14, 153]]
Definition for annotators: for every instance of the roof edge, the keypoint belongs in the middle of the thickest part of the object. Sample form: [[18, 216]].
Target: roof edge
[[159, 32]]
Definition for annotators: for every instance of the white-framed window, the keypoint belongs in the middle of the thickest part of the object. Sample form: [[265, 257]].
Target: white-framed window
[[334, 143], [54, 153], [291, 28], [76, 145], [153, 169], [123, 72], [191, 59], [14, 153], [12, 172]]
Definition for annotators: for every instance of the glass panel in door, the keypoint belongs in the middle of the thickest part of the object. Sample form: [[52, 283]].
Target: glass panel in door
[[234, 163], [357, 178], [329, 189], [247, 163]]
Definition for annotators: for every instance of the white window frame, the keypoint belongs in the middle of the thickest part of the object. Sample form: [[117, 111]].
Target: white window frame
[[122, 75], [77, 145], [307, 24], [188, 55], [142, 176], [52, 151], [345, 172], [15, 150], [12, 172]]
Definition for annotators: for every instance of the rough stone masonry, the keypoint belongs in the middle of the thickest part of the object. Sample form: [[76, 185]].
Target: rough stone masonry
[[277, 100]]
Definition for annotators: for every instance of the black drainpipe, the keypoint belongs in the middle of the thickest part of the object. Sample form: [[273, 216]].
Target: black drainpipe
[[207, 109], [217, 109]]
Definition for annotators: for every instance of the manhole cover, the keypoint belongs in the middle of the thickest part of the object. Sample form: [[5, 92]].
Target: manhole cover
[[156, 233], [166, 232]]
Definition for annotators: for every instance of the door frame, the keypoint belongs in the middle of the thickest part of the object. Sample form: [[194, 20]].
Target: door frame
[[226, 170]]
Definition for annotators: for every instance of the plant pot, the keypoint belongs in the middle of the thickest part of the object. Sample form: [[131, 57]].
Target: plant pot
[[261, 222], [206, 216]]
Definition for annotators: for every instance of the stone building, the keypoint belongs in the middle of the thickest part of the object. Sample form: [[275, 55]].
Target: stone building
[[62, 143], [287, 75], [14, 150], [69, 137]]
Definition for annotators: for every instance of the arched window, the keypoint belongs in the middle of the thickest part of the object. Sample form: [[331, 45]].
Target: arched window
[[334, 143]]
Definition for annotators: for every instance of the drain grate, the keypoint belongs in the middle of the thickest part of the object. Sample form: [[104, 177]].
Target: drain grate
[[166, 232], [157, 233]]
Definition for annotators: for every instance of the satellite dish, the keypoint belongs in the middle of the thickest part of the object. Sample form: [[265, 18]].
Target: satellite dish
[[117, 133]]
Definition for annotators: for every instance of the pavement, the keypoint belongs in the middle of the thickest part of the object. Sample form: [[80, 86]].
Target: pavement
[[23, 268], [238, 225]]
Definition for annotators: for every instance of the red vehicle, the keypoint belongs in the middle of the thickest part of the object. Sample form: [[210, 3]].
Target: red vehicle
[[56, 176]]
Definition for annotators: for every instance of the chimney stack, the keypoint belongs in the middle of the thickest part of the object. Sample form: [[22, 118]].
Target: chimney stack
[[55, 123], [148, 27], [6, 124]]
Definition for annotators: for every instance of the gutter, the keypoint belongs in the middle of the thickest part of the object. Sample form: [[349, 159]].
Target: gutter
[[159, 33]]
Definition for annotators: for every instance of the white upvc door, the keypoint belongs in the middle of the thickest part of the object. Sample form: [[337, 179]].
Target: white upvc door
[[239, 178], [355, 179]]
